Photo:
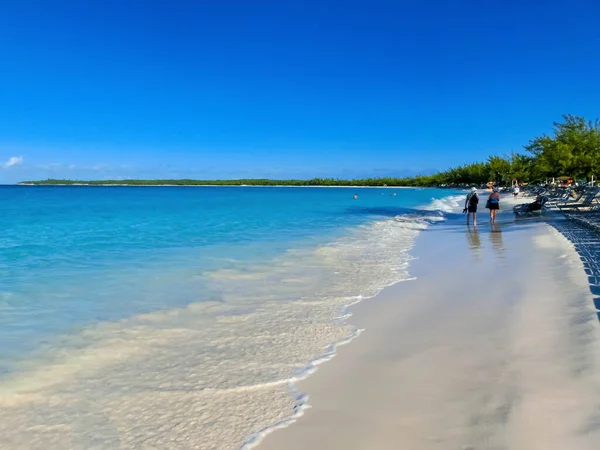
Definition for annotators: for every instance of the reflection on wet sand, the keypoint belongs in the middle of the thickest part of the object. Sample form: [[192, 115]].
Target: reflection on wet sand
[[474, 240], [496, 237]]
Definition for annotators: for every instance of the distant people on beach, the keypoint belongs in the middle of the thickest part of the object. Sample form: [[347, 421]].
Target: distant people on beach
[[493, 204], [516, 190], [471, 205]]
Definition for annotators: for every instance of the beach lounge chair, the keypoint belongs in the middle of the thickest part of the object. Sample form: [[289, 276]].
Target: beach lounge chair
[[531, 209], [532, 191], [587, 202], [562, 197]]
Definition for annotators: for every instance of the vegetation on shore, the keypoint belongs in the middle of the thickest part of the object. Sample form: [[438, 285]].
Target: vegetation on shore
[[573, 150], [240, 182]]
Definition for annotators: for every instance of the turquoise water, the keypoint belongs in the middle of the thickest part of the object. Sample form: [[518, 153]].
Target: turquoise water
[[84, 267], [74, 255]]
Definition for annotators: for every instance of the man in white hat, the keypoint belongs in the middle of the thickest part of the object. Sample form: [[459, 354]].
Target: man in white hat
[[471, 205]]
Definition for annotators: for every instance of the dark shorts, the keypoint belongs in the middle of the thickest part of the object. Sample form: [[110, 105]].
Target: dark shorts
[[494, 206], [472, 209]]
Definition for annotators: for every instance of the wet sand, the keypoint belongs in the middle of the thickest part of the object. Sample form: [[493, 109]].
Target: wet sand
[[495, 345]]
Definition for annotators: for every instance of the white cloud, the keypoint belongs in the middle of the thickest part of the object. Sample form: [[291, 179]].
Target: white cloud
[[13, 161]]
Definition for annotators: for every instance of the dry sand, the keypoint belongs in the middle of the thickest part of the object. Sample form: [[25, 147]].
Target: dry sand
[[495, 345]]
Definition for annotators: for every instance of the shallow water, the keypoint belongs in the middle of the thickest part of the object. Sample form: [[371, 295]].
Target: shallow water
[[177, 316]]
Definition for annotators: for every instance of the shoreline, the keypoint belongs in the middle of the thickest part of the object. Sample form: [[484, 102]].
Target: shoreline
[[453, 204], [256, 439], [383, 391]]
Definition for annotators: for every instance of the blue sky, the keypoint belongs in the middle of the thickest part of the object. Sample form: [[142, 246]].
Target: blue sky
[[285, 88]]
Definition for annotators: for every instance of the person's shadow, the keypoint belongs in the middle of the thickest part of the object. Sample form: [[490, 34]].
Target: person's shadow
[[587, 244]]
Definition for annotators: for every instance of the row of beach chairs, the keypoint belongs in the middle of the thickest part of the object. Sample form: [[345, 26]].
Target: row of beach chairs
[[586, 200], [565, 200], [585, 210]]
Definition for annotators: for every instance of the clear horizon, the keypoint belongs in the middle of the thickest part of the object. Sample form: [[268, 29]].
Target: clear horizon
[[222, 90]]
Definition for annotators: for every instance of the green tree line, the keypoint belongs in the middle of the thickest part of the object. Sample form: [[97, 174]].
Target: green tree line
[[572, 149]]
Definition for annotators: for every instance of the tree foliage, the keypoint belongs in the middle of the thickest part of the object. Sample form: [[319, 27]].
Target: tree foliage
[[573, 150]]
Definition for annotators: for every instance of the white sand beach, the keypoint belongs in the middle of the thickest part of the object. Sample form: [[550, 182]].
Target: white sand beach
[[495, 345]]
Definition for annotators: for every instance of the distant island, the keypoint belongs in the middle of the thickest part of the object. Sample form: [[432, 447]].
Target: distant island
[[573, 151], [380, 182]]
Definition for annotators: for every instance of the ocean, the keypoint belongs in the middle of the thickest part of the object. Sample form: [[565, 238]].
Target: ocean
[[179, 317]]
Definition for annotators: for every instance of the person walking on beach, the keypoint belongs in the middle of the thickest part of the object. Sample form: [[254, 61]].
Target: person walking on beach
[[516, 190], [493, 204], [471, 205]]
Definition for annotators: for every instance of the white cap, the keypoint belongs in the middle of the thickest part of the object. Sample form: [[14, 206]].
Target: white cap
[[473, 189]]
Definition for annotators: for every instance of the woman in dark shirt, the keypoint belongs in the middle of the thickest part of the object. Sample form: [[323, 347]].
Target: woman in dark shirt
[[471, 205]]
